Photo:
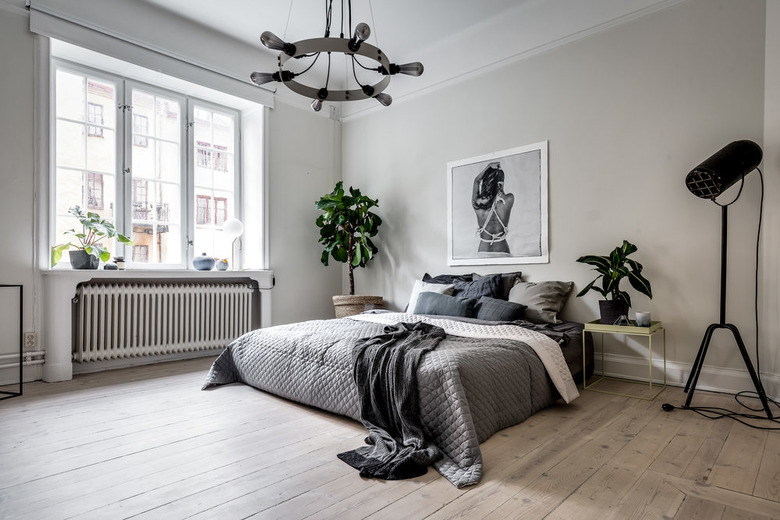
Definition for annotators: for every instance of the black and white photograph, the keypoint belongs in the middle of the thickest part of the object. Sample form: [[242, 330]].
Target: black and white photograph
[[497, 207]]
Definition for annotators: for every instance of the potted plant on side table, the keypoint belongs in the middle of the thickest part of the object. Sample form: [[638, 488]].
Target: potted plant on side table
[[88, 250], [346, 227], [612, 269]]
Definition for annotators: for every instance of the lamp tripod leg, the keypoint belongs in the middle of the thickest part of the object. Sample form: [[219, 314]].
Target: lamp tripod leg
[[756, 381], [690, 386]]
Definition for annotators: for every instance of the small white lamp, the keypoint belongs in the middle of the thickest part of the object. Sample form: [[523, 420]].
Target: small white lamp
[[233, 228]]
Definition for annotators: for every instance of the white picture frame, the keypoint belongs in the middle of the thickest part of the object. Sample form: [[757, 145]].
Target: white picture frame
[[497, 208]]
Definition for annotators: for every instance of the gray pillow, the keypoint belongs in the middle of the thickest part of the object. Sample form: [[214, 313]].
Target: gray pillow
[[493, 309], [543, 299], [508, 280], [485, 286], [443, 305]]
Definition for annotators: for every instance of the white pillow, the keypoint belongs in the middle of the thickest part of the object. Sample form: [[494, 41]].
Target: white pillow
[[421, 287]]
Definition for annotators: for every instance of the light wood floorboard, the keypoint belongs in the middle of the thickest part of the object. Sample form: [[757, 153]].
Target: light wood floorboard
[[147, 443]]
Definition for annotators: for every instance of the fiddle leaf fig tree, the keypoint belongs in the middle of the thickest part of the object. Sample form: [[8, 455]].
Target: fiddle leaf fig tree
[[346, 227], [612, 269]]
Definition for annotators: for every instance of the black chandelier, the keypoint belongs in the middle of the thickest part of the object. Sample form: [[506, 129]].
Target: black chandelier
[[351, 48]]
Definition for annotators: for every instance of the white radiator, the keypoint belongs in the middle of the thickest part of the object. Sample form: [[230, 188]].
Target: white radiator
[[129, 319]]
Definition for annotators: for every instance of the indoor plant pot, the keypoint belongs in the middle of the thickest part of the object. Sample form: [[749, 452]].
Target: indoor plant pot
[[346, 227], [80, 259], [611, 310], [350, 304]]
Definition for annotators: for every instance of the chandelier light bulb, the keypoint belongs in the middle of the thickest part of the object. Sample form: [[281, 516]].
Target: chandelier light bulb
[[273, 42], [316, 105], [384, 99], [362, 32], [261, 78], [410, 69]]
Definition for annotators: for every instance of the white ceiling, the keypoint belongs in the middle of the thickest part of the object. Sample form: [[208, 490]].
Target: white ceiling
[[401, 26], [452, 38]]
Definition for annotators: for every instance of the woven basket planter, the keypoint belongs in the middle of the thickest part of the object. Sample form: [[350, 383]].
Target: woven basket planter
[[349, 305]]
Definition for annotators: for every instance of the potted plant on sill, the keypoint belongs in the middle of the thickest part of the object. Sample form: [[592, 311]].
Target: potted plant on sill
[[612, 269], [346, 227], [88, 250]]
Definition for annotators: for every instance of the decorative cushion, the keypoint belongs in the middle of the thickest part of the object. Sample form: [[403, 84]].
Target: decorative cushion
[[508, 280], [443, 305], [421, 287], [494, 309], [446, 278], [544, 299], [485, 286]]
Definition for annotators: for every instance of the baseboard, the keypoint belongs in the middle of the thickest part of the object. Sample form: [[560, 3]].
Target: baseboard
[[715, 379], [114, 364]]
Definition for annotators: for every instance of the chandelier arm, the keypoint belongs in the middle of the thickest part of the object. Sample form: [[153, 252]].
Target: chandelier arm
[[304, 71]]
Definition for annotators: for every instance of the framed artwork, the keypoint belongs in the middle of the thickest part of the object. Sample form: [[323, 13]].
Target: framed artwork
[[497, 208]]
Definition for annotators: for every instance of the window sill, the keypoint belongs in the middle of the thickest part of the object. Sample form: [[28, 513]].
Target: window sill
[[265, 278]]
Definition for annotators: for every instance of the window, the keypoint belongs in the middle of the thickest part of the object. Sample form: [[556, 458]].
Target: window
[[161, 166], [94, 190], [203, 210], [140, 130], [220, 210], [95, 116]]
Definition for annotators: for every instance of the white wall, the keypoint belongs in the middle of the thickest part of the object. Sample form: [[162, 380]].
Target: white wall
[[16, 177], [305, 163], [770, 250], [627, 112]]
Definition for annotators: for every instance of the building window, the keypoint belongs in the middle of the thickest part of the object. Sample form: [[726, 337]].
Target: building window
[[94, 191], [95, 116], [203, 154], [203, 206], [141, 254], [220, 210], [140, 130], [176, 145]]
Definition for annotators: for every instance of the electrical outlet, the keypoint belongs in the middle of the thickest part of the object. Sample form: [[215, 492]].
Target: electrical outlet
[[30, 340]]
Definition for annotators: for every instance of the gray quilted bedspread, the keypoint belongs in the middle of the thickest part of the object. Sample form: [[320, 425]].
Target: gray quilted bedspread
[[469, 388]]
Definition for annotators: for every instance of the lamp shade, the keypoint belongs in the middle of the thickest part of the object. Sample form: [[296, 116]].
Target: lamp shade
[[723, 169], [233, 228]]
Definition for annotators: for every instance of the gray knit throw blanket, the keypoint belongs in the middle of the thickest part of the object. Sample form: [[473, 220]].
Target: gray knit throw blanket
[[384, 368]]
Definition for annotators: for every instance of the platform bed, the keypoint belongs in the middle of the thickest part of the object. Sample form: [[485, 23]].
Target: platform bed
[[484, 375]]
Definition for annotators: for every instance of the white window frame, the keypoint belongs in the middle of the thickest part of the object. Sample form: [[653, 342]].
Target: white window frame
[[185, 250], [124, 128], [238, 178]]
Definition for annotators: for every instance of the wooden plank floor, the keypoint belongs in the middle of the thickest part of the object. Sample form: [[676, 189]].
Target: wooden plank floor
[[147, 443]]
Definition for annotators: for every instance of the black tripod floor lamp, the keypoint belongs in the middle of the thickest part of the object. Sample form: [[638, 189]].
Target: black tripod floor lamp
[[708, 180]]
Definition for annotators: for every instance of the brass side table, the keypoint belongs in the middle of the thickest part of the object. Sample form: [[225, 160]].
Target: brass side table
[[627, 330]]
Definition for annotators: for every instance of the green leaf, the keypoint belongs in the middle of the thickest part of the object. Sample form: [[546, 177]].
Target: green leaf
[[597, 261], [640, 283]]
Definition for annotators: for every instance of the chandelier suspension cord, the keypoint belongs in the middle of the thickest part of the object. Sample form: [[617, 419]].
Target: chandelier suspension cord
[[289, 15], [328, 16], [373, 23]]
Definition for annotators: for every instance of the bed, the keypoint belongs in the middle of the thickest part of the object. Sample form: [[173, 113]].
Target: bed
[[485, 375]]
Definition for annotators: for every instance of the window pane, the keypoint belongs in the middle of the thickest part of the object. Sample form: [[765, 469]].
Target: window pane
[[214, 136], [144, 160], [168, 119], [70, 190], [101, 97], [101, 151], [170, 162], [70, 95], [224, 131], [156, 214], [71, 144]]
